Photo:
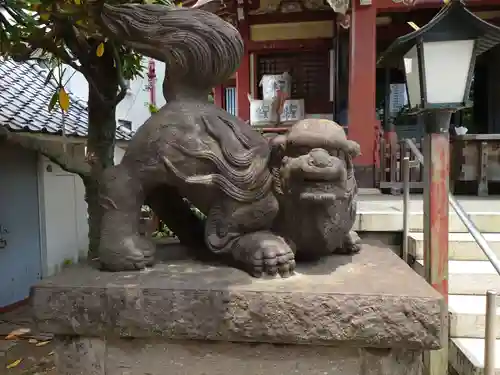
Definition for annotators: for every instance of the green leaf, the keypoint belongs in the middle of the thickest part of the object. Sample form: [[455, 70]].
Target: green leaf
[[53, 100]]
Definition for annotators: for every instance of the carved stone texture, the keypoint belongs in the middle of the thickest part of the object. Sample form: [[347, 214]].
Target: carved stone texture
[[327, 303], [316, 189], [157, 357]]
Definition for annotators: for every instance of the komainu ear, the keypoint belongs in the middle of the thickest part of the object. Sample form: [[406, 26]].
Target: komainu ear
[[277, 145], [353, 148]]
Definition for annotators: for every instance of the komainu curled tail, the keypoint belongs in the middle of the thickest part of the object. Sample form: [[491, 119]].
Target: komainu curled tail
[[190, 149], [200, 50]]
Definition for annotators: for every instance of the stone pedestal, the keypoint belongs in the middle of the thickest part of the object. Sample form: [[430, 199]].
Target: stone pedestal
[[365, 314]]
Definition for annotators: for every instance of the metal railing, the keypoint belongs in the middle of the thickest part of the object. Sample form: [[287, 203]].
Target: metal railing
[[491, 296]]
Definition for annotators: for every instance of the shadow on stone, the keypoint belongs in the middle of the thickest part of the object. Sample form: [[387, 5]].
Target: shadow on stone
[[320, 267], [173, 251]]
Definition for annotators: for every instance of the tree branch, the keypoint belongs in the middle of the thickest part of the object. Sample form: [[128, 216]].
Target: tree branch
[[74, 41], [55, 155], [121, 81], [46, 44], [59, 52]]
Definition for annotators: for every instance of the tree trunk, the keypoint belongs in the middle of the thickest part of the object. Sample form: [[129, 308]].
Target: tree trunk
[[101, 139], [100, 149]]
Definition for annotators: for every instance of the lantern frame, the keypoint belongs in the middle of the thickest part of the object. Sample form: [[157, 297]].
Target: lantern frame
[[453, 23]]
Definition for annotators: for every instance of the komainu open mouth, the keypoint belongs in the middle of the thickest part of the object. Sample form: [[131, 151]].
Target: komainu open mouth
[[322, 191], [320, 197]]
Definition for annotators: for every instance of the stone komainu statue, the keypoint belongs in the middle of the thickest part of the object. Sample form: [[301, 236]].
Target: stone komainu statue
[[316, 189], [192, 150]]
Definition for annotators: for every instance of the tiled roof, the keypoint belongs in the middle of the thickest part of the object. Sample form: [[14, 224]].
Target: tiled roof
[[24, 99]]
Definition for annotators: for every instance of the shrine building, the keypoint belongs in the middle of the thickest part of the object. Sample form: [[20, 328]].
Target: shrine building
[[330, 50]]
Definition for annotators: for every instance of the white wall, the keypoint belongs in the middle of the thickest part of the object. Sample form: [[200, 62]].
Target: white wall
[[134, 107], [119, 152], [64, 213]]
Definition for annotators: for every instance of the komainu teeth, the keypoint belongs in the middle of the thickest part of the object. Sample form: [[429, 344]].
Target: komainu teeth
[[320, 196]]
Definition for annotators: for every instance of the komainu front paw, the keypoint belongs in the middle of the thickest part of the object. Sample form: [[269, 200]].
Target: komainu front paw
[[351, 245], [264, 253], [126, 254]]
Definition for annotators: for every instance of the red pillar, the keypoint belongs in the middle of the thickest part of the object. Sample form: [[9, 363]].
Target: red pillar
[[436, 205], [243, 88], [362, 84], [219, 96]]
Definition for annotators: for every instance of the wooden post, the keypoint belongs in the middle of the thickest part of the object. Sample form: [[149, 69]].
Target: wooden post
[[482, 183], [243, 72], [362, 85], [243, 88], [219, 96], [436, 206], [436, 221]]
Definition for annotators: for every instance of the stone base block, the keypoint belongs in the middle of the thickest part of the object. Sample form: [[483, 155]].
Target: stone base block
[[94, 356], [370, 299]]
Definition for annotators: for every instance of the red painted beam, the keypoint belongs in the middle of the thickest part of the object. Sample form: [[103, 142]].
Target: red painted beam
[[292, 45], [231, 82], [392, 32], [308, 15], [391, 6]]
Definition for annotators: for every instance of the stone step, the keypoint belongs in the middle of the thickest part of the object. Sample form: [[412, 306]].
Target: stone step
[[462, 246], [469, 277], [467, 316], [392, 221], [467, 356]]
